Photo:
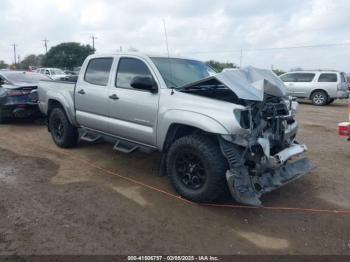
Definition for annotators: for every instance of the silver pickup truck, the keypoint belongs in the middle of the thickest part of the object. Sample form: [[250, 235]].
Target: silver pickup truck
[[229, 132]]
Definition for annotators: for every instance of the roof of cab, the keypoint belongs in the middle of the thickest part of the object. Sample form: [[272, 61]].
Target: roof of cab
[[140, 54]]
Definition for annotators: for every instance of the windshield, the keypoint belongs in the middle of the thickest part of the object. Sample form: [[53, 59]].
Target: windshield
[[56, 72], [178, 72], [24, 77]]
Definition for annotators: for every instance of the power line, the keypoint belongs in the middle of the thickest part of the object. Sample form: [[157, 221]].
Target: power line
[[45, 44], [270, 48]]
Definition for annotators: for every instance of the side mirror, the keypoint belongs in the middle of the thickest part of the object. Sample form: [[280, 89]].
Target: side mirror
[[144, 83]]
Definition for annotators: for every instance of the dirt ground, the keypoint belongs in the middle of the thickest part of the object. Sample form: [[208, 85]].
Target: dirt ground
[[55, 201]]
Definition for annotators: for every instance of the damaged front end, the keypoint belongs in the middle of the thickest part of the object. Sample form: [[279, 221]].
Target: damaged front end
[[261, 160], [261, 150], [267, 156]]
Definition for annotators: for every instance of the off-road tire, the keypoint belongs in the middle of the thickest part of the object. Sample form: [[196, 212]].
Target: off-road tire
[[319, 98], [3, 119], [69, 135], [215, 165]]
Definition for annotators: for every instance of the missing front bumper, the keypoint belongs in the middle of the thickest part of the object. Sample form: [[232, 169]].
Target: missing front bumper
[[247, 187]]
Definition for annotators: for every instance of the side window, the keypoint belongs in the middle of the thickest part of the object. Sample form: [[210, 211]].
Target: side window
[[304, 77], [97, 71], [128, 68], [47, 72], [288, 78], [328, 78]]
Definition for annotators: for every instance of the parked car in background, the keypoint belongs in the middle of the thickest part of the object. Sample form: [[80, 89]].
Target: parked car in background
[[18, 94], [320, 86], [53, 73]]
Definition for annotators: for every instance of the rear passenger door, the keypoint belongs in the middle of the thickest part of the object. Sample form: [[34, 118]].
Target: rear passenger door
[[91, 94], [133, 112]]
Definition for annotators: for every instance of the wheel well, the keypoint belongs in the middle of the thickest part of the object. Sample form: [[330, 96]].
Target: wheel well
[[52, 104], [321, 90], [176, 131]]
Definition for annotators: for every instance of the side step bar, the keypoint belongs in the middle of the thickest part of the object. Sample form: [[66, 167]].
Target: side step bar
[[120, 144], [125, 147], [90, 137]]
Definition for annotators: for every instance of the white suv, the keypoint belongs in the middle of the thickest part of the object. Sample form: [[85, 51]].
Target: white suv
[[321, 87]]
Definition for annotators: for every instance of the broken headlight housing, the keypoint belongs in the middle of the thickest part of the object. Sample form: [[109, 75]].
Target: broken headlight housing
[[243, 117]]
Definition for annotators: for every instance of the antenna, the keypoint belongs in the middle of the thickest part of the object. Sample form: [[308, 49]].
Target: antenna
[[167, 48]]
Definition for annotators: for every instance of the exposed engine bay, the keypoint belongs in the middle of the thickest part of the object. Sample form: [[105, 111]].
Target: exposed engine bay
[[260, 159]]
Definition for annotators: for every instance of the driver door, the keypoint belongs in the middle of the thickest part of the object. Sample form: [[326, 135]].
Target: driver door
[[132, 112]]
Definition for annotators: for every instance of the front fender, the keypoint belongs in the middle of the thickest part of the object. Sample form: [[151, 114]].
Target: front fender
[[189, 118]]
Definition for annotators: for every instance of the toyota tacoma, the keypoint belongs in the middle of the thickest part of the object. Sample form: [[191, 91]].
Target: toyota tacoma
[[233, 131]]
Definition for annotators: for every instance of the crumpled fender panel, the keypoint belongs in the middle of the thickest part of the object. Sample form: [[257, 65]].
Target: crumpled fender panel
[[248, 189]]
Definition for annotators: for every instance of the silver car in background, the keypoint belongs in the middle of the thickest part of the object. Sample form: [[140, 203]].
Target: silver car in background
[[320, 86], [53, 73]]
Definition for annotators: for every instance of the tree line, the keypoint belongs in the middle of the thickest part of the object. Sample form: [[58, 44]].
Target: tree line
[[71, 54], [65, 55]]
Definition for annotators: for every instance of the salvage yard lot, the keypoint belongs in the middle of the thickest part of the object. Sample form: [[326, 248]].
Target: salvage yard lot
[[55, 201]]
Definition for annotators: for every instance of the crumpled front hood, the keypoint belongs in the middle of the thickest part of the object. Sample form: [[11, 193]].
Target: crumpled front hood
[[248, 83]]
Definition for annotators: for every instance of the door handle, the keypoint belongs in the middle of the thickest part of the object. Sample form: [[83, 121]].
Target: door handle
[[82, 92], [114, 97]]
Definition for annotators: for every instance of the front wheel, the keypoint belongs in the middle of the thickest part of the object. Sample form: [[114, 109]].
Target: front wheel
[[197, 168], [319, 98], [63, 133]]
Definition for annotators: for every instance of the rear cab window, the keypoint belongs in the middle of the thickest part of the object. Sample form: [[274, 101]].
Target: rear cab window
[[328, 77], [98, 70]]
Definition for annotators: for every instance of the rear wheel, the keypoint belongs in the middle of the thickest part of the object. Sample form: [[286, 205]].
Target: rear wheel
[[63, 133], [319, 98], [197, 168], [3, 119]]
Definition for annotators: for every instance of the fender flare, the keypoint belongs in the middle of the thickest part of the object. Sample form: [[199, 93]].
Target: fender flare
[[67, 105]]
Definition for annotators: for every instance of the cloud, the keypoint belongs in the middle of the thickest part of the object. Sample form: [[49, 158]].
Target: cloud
[[200, 28]]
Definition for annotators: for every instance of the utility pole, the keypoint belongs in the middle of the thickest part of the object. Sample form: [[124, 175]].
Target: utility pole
[[240, 58], [93, 42], [45, 44], [14, 53]]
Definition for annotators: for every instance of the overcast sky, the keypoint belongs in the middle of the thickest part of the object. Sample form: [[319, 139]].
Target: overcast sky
[[204, 29]]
